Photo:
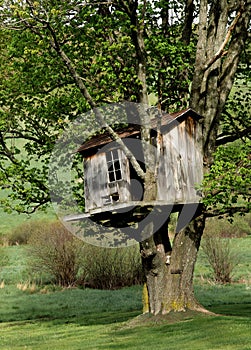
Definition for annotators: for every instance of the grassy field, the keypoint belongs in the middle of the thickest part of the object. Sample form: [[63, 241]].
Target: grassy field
[[10, 221], [93, 319], [52, 318]]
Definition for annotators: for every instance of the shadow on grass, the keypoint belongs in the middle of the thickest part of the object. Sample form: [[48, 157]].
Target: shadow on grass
[[101, 318], [95, 307], [242, 310], [83, 307]]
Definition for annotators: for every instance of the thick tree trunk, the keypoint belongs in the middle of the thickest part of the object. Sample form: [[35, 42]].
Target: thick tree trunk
[[169, 269], [179, 293]]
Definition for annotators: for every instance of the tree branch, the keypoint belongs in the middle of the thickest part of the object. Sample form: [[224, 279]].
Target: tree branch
[[188, 22], [56, 45], [79, 82], [223, 139], [227, 212], [6, 150], [222, 52]]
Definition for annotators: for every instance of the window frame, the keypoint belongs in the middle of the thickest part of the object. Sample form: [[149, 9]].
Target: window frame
[[114, 168]]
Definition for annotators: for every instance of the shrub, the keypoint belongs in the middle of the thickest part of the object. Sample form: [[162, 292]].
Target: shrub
[[220, 256], [63, 259], [22, 233], [107, 268], [55, 251]]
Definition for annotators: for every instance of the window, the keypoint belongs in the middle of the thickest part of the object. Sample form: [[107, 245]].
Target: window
[[114, 167]]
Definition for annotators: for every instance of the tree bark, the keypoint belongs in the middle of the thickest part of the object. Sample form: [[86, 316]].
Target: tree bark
[[188, 22], [179, 293], [169, 268], [215, 67]]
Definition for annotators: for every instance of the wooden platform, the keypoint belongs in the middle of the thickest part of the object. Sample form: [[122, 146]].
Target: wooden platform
[[126, 214]]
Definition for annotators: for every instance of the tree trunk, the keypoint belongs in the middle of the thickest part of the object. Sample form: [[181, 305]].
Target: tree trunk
[[169, 269], [179, 293], [218, 52], [170, 283]]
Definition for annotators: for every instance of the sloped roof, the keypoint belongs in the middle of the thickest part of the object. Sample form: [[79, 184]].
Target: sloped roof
[[168, 121]]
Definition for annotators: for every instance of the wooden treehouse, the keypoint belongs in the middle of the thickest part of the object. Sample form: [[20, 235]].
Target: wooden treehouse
[[112, 188]]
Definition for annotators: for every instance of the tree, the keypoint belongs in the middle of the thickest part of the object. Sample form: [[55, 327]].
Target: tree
[[183, 52]]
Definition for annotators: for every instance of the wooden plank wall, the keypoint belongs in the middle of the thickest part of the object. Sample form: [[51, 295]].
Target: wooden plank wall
[[96, 179], [181, 164], [98, 190]]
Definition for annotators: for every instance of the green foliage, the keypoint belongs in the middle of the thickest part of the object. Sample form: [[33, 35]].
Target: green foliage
[[235, 118], [228, 183], [39, 96], [172, 59]]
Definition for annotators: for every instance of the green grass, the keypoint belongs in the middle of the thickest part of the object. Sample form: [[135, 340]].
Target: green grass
[[76, 319], [13, 264], [197, 334], [86, 307], [93, 319], [9, 221]]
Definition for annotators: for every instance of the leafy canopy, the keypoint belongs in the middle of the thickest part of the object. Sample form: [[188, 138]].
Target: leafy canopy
[[39, 96]]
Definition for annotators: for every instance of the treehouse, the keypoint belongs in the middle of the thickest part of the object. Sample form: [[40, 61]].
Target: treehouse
[[112, 185]]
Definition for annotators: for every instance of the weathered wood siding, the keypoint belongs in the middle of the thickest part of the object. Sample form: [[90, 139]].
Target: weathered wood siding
[[180, 168], [180, 171], [96, 189], [99, 191]]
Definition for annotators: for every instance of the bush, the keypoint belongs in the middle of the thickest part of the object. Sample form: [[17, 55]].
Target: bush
[[240, 227], [107, 268], [63, 259], [55, 251], [220, 256]]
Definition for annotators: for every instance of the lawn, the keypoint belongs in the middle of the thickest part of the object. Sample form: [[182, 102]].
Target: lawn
[[53, 318], [93, 319]]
